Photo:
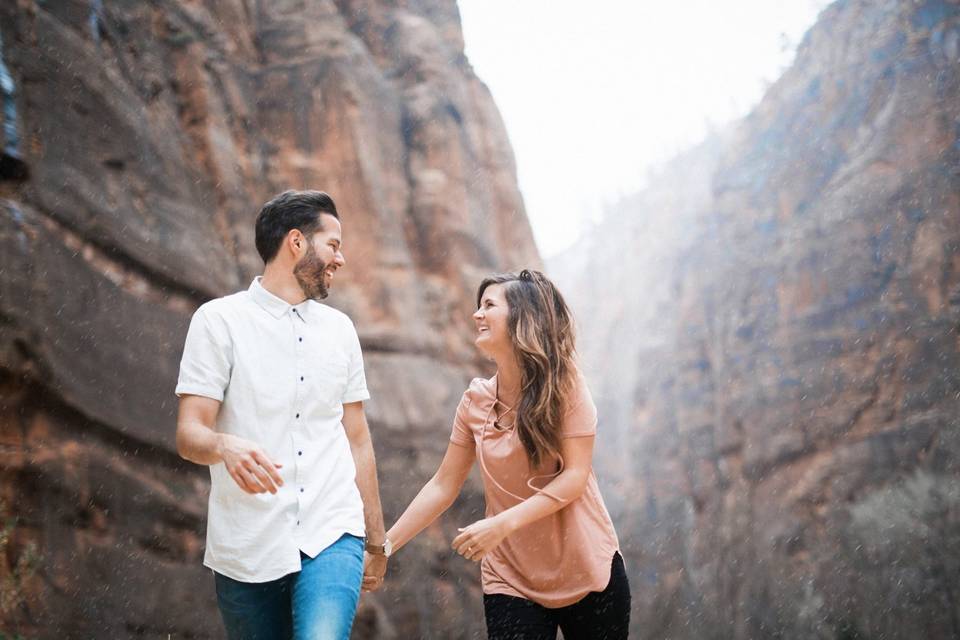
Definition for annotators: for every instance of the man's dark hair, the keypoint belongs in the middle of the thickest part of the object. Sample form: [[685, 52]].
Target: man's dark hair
[[290, 210]]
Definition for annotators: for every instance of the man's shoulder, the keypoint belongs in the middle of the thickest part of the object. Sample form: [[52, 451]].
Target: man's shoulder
[[328, 313], [226, 306]]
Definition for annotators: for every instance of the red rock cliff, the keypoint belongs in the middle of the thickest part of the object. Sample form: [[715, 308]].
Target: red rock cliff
[[140, 140]]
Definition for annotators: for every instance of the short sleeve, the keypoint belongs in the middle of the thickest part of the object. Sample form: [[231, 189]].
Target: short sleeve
[[356, 388], [462, 435], [207, 358], [581, 418]]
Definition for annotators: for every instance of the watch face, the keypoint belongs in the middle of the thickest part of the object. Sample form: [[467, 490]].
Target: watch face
[[387, 547]]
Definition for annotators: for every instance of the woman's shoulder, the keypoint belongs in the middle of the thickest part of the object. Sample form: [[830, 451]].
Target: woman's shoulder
[[479, 389], [470, 412]]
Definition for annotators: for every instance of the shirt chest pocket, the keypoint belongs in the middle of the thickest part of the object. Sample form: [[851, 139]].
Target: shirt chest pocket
[[326, 377]]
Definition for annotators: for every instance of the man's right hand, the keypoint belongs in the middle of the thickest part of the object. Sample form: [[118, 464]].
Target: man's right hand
[[248, 465]]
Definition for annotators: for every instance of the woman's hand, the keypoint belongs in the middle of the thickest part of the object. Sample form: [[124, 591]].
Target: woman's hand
[[480, 538]]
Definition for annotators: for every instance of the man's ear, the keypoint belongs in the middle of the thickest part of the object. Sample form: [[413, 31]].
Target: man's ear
[[296, 238]]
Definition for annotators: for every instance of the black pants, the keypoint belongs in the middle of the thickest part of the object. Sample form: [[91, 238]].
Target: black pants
[[603, 615]]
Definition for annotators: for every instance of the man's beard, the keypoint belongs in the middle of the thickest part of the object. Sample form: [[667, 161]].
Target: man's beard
[[310, 275]]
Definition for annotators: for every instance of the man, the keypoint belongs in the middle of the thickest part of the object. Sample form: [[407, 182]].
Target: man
[[271, 398]]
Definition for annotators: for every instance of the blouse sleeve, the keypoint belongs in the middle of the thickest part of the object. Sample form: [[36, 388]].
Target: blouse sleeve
[[581, 418], [461, 434]]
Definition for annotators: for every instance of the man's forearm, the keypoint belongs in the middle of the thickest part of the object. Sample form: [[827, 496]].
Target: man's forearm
[[366, 464], [198, 443], [197, 437]]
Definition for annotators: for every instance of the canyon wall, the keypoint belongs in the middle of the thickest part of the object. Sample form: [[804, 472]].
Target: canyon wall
[[139, 141], [771, 329]]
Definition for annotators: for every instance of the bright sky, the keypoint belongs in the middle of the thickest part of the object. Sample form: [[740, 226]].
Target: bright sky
[[596, 94]]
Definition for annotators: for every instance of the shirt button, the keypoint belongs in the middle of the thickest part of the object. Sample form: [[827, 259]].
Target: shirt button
[[301, 378], [299, 453], [298, 415], [301, 489], [298, 523], [300, 339]]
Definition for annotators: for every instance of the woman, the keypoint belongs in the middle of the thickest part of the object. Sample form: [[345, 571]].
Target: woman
[[547, 549]]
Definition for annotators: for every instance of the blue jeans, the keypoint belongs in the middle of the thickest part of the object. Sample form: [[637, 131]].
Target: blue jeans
[[316, 603]]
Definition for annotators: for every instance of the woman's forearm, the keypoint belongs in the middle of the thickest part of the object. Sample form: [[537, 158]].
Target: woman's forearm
[[483, 536], [561, 491], [432, 501]]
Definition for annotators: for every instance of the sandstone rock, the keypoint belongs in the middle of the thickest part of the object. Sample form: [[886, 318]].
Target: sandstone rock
[[151, 133], [785, 386]]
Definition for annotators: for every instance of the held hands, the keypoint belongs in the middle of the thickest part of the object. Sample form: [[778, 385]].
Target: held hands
[[374, 568], [480, 538], [248, 465]]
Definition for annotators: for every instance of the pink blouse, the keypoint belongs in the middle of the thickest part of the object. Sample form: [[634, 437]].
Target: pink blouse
[[560, 558]]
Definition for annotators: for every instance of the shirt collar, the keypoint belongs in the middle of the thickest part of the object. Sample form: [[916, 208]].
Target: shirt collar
[[277, 307]]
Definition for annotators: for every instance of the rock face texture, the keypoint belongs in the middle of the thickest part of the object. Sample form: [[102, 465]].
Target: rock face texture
[[145, 137], [773, 338]]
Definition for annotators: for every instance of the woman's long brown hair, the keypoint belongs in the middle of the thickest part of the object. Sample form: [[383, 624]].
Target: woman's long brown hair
[[541, 328]]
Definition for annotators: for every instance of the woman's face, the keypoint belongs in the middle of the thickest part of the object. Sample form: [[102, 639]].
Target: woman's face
[[493, 337]]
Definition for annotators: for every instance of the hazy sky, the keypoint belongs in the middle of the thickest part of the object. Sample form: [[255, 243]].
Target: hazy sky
[[595, 94]]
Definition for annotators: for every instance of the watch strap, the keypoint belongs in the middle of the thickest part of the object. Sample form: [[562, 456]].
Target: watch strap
[[376, 549]]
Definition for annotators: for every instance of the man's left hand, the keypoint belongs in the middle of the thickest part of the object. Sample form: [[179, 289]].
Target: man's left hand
[[374, 568]]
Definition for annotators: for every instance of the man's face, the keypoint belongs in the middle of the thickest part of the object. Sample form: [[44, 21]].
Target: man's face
[[314, 271]]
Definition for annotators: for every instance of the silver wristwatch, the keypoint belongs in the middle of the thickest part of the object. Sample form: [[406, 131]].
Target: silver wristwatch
[[385, 549]]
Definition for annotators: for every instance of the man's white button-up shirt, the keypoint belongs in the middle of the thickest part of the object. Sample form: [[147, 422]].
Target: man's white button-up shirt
[[283, 373]]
